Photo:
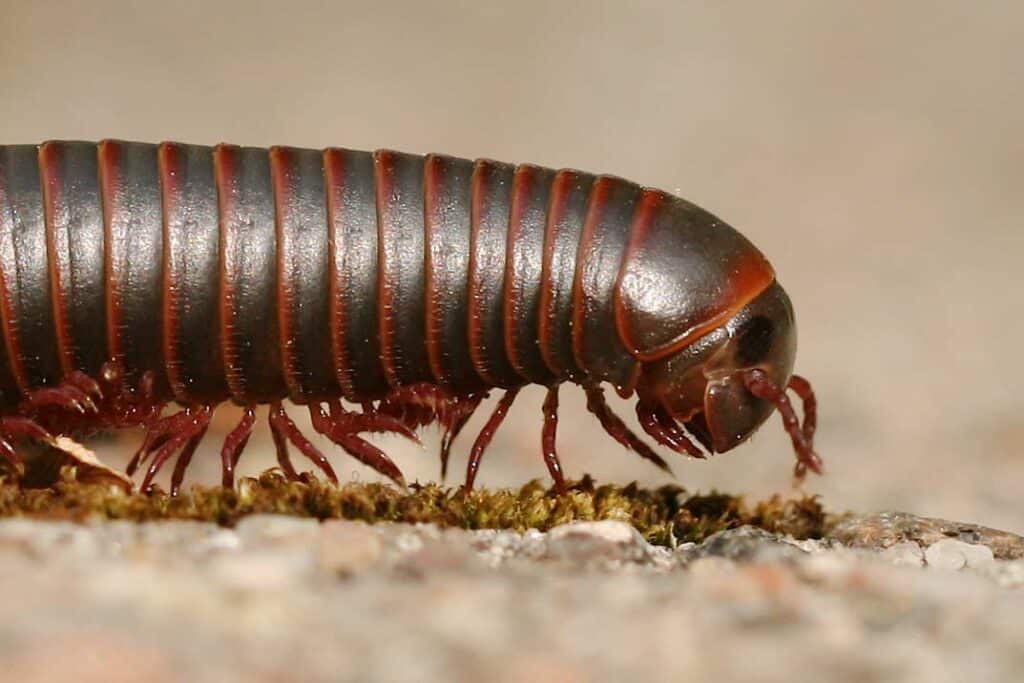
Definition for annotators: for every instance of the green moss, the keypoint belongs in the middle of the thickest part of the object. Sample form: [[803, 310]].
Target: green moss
[[664, 515]]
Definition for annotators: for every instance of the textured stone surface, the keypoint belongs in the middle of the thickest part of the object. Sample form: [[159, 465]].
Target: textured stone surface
[[952, 554], [889, 528], [282, 599]]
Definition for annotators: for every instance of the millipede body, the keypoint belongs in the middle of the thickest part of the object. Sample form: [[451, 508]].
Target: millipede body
[[382, 292]]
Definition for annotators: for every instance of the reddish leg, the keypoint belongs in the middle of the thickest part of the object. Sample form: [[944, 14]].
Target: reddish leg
[[343, 428], [159, 431], [143, 404], [282, 428], [373, 421], [196, 425], [284, 460], [86, 384], [63, 397], [23, 427], [453, 418], [802, 388], [380, 420], [184, 459], [127, 407], [17, 427], [663, 429], [120, 404], [675, 431], [547, 438], [617, 429], [418, 405], [483, 439], [83, 404], [234, 444], [760, 385], [161, 455], [95, 404], [370, 455], [448, 438]]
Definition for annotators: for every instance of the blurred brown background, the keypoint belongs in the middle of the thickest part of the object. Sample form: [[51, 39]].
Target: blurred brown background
[[872, 150]]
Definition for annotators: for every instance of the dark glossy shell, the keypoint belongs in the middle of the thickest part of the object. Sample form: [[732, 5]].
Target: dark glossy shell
[[253, 275]]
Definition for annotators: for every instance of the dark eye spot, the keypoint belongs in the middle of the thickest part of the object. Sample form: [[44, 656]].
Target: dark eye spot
[[755, 340]]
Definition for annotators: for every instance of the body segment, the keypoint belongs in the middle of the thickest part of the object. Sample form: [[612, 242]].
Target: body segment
[[191, 274]]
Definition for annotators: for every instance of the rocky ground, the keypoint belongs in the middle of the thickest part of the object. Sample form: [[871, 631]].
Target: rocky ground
[[880, 598]]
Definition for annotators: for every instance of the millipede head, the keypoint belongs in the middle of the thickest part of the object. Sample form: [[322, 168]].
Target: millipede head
[[706, 386]]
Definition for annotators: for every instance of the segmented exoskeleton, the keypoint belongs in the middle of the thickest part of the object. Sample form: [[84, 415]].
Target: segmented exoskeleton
[[136, 275]]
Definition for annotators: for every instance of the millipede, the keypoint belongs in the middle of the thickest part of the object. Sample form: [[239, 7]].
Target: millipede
[[145, 284]]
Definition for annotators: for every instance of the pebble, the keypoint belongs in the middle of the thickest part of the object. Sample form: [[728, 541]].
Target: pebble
[[434, 552], [950, 553], [744, 543], [604, 540]]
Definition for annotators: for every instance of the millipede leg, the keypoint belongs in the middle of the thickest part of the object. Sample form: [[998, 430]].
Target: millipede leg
[[134, 406], [19, 428], [422, 404], [237, 452], [448, 438], [548, 438], [453, 418], [199, 420], [23, 427], [159, 431], [234, 444], [802, 388], [368, 454], [284, 459], [371, 420], [185, 458], [282, 427], [81, 403], [161, 456], [760, 385], [672, 428], [64, 397], [617, 429], [375, 423], [483, 439], [343, 428], [663, 429], [86, 384]]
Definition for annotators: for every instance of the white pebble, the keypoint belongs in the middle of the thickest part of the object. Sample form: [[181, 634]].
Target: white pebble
[[608, 539], [953, 554], [608, 530]]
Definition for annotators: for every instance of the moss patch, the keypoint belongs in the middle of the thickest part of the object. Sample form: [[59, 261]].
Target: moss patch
[[664, 516]]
